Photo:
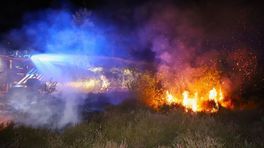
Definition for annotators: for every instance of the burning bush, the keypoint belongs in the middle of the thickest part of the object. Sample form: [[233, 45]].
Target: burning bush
[[202, 84], [200, 91], [148, 89]]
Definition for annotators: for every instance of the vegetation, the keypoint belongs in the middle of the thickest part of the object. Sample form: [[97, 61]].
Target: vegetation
[[133, 125]]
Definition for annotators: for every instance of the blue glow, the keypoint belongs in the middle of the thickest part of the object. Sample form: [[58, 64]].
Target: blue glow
[[57, 31], [48, 58], [61, 67], [65, 42]]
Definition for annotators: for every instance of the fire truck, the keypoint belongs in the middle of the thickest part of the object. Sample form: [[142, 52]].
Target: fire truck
[[91, 74], [12, 70]]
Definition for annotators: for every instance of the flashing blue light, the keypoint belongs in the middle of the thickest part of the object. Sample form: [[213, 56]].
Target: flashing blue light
[[61, 67], [48, 58]]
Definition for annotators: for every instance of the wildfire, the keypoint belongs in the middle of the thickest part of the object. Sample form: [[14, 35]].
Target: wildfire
[[197, 102], [195, 90]]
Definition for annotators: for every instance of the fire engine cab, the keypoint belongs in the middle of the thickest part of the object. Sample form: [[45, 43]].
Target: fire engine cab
[[12, 70]]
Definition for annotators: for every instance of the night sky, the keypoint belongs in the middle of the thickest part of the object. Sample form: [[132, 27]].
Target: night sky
[[224, 22], [13, 11], [237, 20]]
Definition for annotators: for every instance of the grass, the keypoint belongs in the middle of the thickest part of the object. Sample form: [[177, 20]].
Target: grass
[[136, 126]]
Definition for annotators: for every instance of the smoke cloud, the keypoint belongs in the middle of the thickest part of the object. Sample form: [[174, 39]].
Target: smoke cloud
[[71, 43], [180, 41], [187, 42]]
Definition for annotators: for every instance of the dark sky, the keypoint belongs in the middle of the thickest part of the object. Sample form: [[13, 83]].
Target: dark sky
[[222, 20], [242, 19], [12, 11]]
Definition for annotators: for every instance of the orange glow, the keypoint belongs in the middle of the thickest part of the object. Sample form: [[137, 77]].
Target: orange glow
[[201, 91], [90, 85], [198, 102]]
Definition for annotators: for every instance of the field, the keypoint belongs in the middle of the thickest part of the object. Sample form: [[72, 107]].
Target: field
[[133, 125]]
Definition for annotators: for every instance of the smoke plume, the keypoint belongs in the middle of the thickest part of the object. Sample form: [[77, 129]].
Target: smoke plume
[[182, 43]]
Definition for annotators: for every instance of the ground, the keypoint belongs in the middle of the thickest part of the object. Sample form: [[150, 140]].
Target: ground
[[137, 126]]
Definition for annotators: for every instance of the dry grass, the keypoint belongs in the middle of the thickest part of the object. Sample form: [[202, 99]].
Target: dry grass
[[126, 126]]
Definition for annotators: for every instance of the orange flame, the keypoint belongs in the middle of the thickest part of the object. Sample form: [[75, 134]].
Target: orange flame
[[198, 102], [195, 91]]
